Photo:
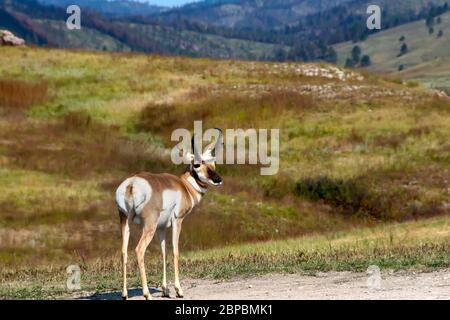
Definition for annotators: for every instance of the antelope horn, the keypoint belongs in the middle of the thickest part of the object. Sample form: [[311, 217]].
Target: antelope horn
[[196, 148], [218, 144]]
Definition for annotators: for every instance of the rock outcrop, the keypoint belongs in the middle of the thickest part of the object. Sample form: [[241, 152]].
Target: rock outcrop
[[7, 38]]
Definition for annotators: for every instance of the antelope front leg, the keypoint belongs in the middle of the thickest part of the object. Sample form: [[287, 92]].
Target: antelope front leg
[[176, 229], [162, 241]]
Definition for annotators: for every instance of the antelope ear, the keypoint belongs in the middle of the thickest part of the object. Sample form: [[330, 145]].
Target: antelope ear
[[185, 155], [188, 157], [208, 158]]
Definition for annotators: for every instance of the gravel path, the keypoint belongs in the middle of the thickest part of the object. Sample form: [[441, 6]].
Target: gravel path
[[331, 285]]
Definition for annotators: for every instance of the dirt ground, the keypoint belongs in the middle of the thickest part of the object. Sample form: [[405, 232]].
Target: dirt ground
[[331, 285]]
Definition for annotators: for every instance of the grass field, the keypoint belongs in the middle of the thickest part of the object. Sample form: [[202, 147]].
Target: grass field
[[357, 152]]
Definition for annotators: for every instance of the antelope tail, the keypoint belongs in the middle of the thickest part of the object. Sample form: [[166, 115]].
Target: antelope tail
[[129, 202]]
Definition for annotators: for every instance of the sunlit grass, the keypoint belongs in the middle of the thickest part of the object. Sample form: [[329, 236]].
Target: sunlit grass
[[388, 235], [28, 190]]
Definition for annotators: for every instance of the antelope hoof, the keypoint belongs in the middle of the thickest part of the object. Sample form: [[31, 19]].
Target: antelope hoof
[[147, 296], [179, 293], [165, 292], [124, 297]]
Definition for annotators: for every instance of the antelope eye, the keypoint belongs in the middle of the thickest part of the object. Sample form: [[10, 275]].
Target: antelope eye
[[196, 165]]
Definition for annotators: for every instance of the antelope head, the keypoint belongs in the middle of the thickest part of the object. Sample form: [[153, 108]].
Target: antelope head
[[203, 165]]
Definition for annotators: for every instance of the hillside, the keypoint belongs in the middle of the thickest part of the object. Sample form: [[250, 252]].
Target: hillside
[[355, 152], [427, 59], [273, 14], [296, 30], [116, 8], [182, 42], [45, 26], [261, 14], [86, 38]]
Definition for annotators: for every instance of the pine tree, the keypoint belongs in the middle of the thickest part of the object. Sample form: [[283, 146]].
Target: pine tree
[[365, 61], [356, 54], [403, 49], [349, 63], [331, 56]]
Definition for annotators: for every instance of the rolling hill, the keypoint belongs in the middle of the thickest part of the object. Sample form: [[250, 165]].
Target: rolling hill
[[86, 38], [427, 59], [294, 30], [253, 14], [116, 8], [45, 26], [268, 15], [274, 14]]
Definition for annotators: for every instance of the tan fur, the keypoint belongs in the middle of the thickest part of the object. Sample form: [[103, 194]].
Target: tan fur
[[149, 218], [191, 187]]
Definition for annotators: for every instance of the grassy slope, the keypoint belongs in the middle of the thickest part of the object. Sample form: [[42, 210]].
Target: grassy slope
[[427, 59], [201, 45], [163, 39], [62, 156], [86, 38], [272, 14]]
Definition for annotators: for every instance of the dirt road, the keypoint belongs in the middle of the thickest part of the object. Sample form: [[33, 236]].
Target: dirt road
[[332, 285]]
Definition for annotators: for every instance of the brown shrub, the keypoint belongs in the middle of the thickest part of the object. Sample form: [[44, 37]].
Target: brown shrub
[[352, 197], [199, 93], [225, 111], [392, 141], [441, 104], [22, 94], [76, 146], [419, 131], [396, 139], [354, 137]]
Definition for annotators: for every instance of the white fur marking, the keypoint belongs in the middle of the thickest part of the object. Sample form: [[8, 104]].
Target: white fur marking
[[195, 185], [120, 196], [170, 208], [141, 195]]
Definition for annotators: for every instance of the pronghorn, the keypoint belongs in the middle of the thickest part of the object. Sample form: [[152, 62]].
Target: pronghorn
[[160, 201]]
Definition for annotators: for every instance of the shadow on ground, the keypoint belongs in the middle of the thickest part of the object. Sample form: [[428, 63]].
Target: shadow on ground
[[133, 294]]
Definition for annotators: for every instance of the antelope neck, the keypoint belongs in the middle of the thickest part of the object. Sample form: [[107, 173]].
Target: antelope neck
[[195, 182]]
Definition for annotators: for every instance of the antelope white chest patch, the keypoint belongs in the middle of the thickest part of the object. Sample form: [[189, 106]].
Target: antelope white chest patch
[[171, 200], [197, 188]]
